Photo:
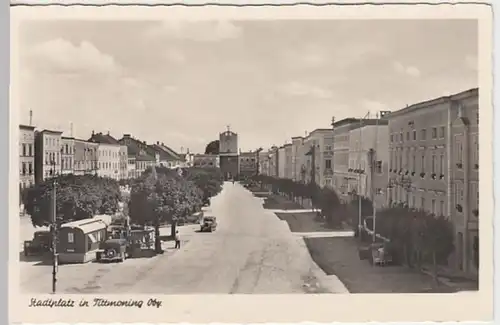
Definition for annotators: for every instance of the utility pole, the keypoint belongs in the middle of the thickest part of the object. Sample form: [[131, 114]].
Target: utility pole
[[54, 237]]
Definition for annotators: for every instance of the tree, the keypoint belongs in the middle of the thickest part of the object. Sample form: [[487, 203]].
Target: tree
[[212, 148], [77, 197]]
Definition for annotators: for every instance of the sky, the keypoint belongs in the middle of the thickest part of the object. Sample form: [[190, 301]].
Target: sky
[[184, 82]]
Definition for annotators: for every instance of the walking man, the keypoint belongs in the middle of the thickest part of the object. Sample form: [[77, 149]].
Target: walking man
[[177, 240]]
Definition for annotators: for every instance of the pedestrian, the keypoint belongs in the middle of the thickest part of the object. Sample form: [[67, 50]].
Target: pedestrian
[[177, 240]]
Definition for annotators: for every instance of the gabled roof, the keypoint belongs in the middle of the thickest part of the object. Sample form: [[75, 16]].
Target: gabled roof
[[137, 148], [103, 138], [165, 152]]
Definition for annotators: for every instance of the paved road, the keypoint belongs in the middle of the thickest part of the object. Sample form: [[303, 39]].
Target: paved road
[[252, 251]]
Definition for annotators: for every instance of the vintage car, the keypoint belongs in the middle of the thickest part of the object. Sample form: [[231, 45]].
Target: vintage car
[[208, 224], [40, 244], [113, 250], [141, 243]]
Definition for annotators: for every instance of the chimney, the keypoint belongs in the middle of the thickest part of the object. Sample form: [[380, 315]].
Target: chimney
[[93, 133], [108, 132], [162, 144], [126, 135], [31, 117], [158, 142]]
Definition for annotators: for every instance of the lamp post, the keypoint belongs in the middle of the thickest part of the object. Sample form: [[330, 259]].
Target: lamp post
[[54, 229]]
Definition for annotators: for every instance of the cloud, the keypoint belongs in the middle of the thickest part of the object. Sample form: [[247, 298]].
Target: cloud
[[296, 88], [409, 70], [471, 62], [204, 31], [59, 55], [175, 56]]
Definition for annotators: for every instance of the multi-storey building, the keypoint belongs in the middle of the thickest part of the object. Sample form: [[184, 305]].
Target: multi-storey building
[[316, 149], [47, 154], [26, 156], [139, 153], [264, 163], [369, 160], [166, 156], [281, 162], [273, 161], [288, 161], [298, 167], [108, 155], [206, 161], [341, 148], [85, 161], [228, 154], [434, 150], [248, 164], [464, 169], [67, 155]]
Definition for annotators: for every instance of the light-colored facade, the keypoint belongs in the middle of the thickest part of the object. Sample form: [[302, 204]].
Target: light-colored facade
[[108, 160], [298, 167], [369, 161], [281, 162], [264, 163], [85, 161], [138, 153], [288, 161], [123, 167], [131, 171], [206, 161], [273, 162], [26, 156], [434, 150], [67, 155], [47, 154], [317, 143]]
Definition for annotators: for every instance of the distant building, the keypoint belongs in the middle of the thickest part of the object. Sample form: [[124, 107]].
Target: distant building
[[67, 155], [85, 161], [139, 153], [206, 161], [26, 156], [248, 164], [298, 167], [228, 154], [369, 161], [434, 165], [166, 156], [288, 161], [47, 155], [281, 162], [108, 155]]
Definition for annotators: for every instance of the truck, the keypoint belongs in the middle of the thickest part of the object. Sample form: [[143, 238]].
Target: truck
[[208, 224]]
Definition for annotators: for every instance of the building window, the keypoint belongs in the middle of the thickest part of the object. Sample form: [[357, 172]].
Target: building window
[[423, 135], [328, 164], [441, 132], [422, 164], [24, 149], [433, 164], [401, 137], [441, 208], [71, 237], [422, 203], [441, 164], [414, 134], [24, 168], [30, 168], [378, 167], [433, 206], [434, 133]]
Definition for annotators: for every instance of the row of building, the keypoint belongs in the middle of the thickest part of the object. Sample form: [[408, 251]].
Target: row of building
[[425, 156], [47, 153]]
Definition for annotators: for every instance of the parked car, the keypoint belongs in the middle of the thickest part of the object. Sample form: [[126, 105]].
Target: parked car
[[208, 224], [113, 250], [40, 244]]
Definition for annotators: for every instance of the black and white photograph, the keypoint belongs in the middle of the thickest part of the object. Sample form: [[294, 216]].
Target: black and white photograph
[[243, 156]]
